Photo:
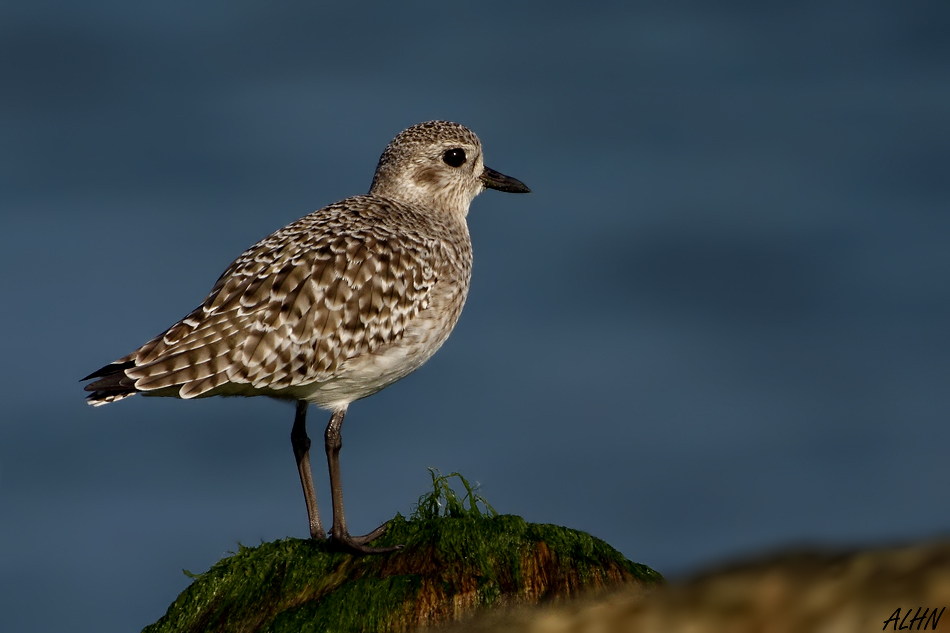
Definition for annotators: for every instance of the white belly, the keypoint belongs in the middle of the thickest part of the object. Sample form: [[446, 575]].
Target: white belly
[[366, 374]]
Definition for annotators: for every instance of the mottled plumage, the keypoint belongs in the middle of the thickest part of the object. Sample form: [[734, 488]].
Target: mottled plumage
[[337, 305], [308, 310]]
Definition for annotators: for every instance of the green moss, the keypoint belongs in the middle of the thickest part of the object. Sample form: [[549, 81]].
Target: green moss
[[453, 551], [366, 604]]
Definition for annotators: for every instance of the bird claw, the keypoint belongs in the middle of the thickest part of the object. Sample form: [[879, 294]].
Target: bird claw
[[342, 541]]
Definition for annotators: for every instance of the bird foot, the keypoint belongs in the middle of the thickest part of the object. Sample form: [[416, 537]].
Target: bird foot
[[342, 541]]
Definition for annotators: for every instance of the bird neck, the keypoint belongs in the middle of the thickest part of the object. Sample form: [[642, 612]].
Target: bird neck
[[448, 201]]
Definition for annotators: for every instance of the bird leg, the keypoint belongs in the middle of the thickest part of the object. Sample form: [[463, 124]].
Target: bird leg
[[338, 533], [301, 444]]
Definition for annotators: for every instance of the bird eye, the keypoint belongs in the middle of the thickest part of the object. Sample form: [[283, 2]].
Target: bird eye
[[454, 157]]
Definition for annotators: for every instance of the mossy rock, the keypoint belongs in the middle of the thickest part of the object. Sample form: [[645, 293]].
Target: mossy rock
[[451, 566]]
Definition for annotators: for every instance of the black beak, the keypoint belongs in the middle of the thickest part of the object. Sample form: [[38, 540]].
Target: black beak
[[501, 182]]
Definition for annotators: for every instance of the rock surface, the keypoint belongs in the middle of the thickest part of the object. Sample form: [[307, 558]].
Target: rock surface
[[797, 592], [449, 568]]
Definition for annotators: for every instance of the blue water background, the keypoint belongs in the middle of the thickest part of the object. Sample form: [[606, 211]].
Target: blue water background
[[718, 325]]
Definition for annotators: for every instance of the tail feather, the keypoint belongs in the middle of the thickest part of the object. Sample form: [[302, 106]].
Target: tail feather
[[113, 384]]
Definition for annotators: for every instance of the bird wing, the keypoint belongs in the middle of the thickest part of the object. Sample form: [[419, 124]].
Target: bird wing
[[295, 306]]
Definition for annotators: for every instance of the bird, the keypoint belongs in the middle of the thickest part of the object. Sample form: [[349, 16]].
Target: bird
[[333, 307]]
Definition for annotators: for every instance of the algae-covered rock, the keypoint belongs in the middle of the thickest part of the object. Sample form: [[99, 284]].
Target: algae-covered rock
[[456, 560]]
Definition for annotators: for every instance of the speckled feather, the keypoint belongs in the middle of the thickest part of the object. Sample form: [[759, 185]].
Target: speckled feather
[[297, 305], [334, 306]]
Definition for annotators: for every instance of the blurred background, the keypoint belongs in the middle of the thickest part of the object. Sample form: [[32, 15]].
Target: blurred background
[[717, 327]]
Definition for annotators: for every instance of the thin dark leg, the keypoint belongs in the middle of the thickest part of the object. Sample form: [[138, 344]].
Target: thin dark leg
[[338, 533], [301, 444]]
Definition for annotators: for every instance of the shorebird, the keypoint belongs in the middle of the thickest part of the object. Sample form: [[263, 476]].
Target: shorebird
[[333, 307]]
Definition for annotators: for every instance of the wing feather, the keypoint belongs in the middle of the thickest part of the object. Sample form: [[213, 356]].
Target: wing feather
[[295, 306]]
